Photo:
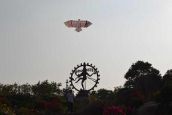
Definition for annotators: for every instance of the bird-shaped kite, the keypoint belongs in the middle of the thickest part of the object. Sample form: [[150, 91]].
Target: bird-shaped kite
[[78, 24]]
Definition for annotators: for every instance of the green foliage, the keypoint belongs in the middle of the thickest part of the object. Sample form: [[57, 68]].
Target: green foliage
[[6, 110], [6, 90], [50, 104], [144, 83], [165, 96], [19, 101], [106, 96], [43, 88], [95, 108], [25, 89], [46, 89], [167, 78], [143, 77], [129, 97], [25, 99]]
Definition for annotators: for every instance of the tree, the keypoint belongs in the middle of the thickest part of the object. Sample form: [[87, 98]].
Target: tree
[[143, 77], [167, 78], [25, 89], [105, 95], [46, 89], [129, 97], [166, 91], [6, 90]]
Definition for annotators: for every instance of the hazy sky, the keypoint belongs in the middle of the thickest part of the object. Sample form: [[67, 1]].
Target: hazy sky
[[35, 44]]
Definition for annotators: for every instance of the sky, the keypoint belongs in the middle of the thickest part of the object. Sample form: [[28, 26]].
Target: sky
[[35, 45]]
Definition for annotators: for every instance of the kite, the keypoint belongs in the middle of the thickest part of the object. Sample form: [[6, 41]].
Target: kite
[[78, 24]]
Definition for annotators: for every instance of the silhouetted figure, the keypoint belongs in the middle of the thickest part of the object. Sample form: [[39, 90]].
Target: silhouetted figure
[[83, 76], [70, 100]]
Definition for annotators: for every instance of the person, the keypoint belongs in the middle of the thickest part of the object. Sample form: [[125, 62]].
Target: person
[[70, 101]]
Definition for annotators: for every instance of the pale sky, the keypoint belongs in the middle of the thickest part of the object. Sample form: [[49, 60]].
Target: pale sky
[[36, 45]]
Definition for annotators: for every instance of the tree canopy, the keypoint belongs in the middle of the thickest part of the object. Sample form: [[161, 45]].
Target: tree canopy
[[142, 76], [167, 78]]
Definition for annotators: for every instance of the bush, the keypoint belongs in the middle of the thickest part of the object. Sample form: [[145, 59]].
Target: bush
[[6, 110], [114, 110]]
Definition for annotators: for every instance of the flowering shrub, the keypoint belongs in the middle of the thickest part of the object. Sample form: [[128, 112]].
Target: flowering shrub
[[52, 104], [114, 110]]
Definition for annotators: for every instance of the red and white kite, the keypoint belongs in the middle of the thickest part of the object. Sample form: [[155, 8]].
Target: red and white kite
[[78, 24]]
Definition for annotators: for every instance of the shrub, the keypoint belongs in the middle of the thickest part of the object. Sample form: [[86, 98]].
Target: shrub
[[5, 109], [113, 110]]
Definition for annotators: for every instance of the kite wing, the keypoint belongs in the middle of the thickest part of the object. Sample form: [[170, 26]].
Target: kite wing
[[85, 23], [68, 23], [71, 23]]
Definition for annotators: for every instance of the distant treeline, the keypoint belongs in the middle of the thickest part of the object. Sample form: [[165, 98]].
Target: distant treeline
[[144, 83], [43, 88]]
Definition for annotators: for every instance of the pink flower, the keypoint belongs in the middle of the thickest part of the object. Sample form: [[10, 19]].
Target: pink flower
[[113, 110]]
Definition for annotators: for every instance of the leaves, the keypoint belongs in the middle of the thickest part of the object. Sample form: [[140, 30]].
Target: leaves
[[143, 77], [46, 89]]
